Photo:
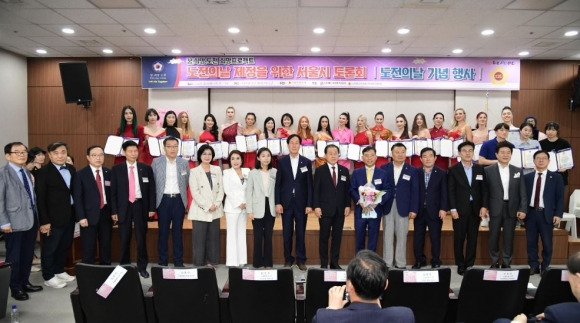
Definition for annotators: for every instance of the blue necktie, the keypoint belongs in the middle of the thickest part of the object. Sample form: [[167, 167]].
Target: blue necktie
[[27, 188]]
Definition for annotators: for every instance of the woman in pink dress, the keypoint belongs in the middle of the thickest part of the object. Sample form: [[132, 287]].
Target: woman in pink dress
[[209, 133], [363, 137], [322, 133], [304, 131], [437, 132], [250, 129], [228, 131], [459, 128], [343, 134], [480, 133], [129, 129], [419, 131], [381, 133], [151, 130]]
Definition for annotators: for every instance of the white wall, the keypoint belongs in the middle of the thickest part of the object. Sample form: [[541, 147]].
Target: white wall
[[13, 100]]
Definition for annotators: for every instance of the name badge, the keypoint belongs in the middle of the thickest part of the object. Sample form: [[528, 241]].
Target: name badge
[[343, 178], [479, 177], [183, 173], [378, 181], [145, 179], [406, 177], [304, 169], [213, 175], [107, 183]]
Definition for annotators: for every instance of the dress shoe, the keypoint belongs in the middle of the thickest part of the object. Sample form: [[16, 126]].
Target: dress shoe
[[505, 266], [496, 265], [534, 271], [335, 266], [419, 264], [20, 295], [288, 264], [29, 288], [404, 267], [164, 264], [324, 266], [435, 266], [460, 270], [178, 265], [302, 267], [144, 273]]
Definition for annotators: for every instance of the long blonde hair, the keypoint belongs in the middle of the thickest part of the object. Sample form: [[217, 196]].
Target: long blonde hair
[[364, 120], [455, 123], [186, 127]]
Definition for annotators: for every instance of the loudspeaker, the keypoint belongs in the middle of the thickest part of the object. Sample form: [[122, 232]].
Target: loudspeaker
[[75, 83]]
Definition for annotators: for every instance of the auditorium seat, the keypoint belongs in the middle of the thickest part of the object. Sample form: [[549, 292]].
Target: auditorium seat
[[552, 290], [317, 290], [124, 304], [181, 300], [484, 300], [264, 301], [428, 300]]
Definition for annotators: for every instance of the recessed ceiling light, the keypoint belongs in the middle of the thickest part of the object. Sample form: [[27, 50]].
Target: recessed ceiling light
[[68, 31], [457, 51], [244, 49], [487, 32], [403, 31], [315, 49], [386, 50], [107, 51], [524, 53], [176, 51], [571, 33], [233, 30], [318, 30], [150, 30], [41, 51]]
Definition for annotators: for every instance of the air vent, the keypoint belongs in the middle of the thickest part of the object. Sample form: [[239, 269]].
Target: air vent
[[89, 42], [219, 1]]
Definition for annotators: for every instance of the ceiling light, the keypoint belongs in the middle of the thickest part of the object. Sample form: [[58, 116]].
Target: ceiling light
[[403, 31], [457, 51], [244, 49], [385, 50], [233, 30], [150, 31], [107, 51], [524, 53], [176, 51], [318, 30], [487, 32], [571, 33], [315, 49], [68, 31], [41, 51]]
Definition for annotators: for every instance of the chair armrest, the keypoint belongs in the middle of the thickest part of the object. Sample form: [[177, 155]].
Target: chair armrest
[[150, 306], [75, 300]]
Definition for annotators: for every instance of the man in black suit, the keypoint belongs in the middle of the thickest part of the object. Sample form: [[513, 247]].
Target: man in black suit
[[293, 198], [466, 190], [331, 203], [56, 213], [432, 209], [132, 202], [92, 193]]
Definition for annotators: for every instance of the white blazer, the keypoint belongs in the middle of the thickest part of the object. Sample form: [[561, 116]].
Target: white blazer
[[204, 196], [235, 190], [256, 196]]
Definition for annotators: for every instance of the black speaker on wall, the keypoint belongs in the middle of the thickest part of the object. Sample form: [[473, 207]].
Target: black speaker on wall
[[75, 83]]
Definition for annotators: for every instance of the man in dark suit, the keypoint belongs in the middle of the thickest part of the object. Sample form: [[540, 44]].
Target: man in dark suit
[[507, 201], [432, 209], [18, 219], [466, 190], [546, 207], [56, 214], [171, 180], [331, 204], [293, 198], [402, 206], [132, 202], [92, 195], [364, 218], [366, 280]]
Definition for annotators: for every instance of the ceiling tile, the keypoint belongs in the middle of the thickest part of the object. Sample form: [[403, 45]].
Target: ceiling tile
[[132, 16], [57, 30], [138, 29], [86, 16], [113, 30], [554, 18], [42, 16], [274, 15], [53, 41], [179, 16], [25, 30], [127, 41], [61, 4]]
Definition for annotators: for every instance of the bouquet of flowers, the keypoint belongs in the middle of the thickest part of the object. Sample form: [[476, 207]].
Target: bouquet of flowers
[[369, 196]]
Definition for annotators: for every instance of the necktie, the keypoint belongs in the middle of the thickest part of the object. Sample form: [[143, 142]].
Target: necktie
[[538, 189], [100, 187], [131, 184], [334, 175], [369, 175], [27, 188]]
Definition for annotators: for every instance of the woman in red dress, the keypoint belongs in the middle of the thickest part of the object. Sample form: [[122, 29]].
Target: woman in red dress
[[381, 133], [402, 131], [437, 132], [129, 129], [152, 129], [363, 136], [209, 133], [287, 121], [459, 128], [419, 131], [228, 132], [250, 129]]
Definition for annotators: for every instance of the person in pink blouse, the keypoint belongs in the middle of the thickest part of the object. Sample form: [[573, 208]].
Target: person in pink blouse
[[343, 134]]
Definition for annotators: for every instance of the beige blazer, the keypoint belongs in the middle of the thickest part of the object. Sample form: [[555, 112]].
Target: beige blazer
[[204, 196], [256, 196]]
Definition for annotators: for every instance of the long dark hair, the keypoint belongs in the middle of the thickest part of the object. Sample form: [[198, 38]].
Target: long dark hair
[[405, 134], [415, 130], [268, 119], [320, 125], [347, 115], [124, 122], [214, 129], [171, 130]]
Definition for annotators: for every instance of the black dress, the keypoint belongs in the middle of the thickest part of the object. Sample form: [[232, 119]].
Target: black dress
[[559, 144]]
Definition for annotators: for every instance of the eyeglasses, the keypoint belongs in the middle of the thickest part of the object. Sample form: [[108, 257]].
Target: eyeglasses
[[470, 151], [19, 153], [172, 147], [97, 155]]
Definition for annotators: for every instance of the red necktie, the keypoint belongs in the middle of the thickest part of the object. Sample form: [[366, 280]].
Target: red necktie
[[100, 187], [334, 175], [538, 189], [131, 184]]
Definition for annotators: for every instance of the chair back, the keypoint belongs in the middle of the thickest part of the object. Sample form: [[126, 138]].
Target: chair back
[[574, 203], [484, 298], [124, 304], [262, 301], [428, 300], [317, 287], [552, 290], [181, 300]]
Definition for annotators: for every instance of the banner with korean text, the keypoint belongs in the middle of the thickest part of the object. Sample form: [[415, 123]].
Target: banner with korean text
[[331, 72]]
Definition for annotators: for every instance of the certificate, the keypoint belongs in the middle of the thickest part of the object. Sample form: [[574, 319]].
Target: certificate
[[113, 145], [241, 143], [528, 158], [343, 151], [320, 145], [382, 147], [308, 151], [516, 159], [419, 144], [284, 147], [565, 159], [553, 164], [154, 146], [437, 145], [188, 148], [353, 152], [231, 146], [409, 145], [513, 136], [225, 146], [490, 134], [446, 147], [252, 142], [262, 143], [476, 151], [456, 144], [274, 146]]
